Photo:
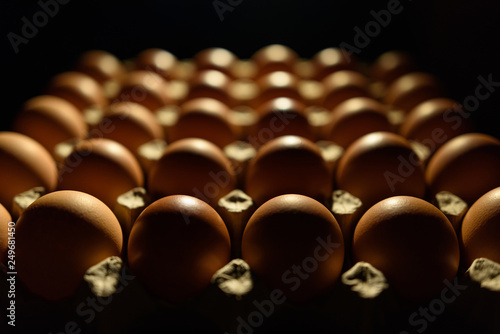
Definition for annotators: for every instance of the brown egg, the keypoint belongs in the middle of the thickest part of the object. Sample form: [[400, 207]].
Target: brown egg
[[434, 121], [391, 65], [412, 243], [6, 227], [50, 120], [100, 65], [204, 118], [330, 60], [216, 59], [406, 92], [194, 167], [144, 87], [60, 236], [355, 118], [101, 167], [280, 117], [277, 84], [274, 57], [24, 164], [156, 60], [342, 85], [467, 166], [243, 91], [130, 124], [480, 230], [288, 165], [176, 245], [293, 243], [210, 83], [78, 88], [380, 165]]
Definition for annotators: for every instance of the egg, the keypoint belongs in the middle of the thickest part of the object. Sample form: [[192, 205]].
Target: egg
[[293, 243], [144, 87], [176, 245], [391, 65], [59, 237], [130, 124], [342, 85], [101, 167], [288, 164], [480, 229], [195, 167], [204, 118], [277, 84], [467, 166], [50, 120], [274, 57], [100, 65], [219, 59], [435, 121], [380, 165], [24, 164], [5, 228], [78, 88], [280, 117], [156, 60], [411, 242], [330, 60], [411, 89], [210, 83], [354, 118]]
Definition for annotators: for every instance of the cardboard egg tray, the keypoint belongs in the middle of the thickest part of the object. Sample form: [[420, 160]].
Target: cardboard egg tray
[[112, 300]]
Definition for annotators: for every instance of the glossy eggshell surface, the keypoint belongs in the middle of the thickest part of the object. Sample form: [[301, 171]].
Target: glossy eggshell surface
[[176, 245], [59, 237], [411, 242], [480, 233], [288, 165], [294, 243], [467, 166], [24, 164]]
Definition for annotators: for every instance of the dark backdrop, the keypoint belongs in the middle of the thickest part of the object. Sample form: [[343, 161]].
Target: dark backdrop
[[456, 40]]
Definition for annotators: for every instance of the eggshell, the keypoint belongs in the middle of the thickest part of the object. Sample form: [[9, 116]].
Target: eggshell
[[50, 120], [467, 166], [194, 167], [210, 83], [176, 245], [480, 230], [100, 65], [24, 164], [277, 84], [78, 88], [219, 59], [354, 118], [294, 243], [380, 165], [342, 85], [435, 121], [331, 60], [156, 60], [5, 219], [144, 87], [274, 57], [410, 89], [204, 118], [130, 124], [101, 167], [60, 236], [288, 165], [391, 65], [411, 242]]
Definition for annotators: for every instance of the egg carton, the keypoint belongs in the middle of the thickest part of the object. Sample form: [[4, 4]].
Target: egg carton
[[112, 300]]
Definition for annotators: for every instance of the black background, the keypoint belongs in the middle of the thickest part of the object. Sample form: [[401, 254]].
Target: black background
[[456, 40]]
